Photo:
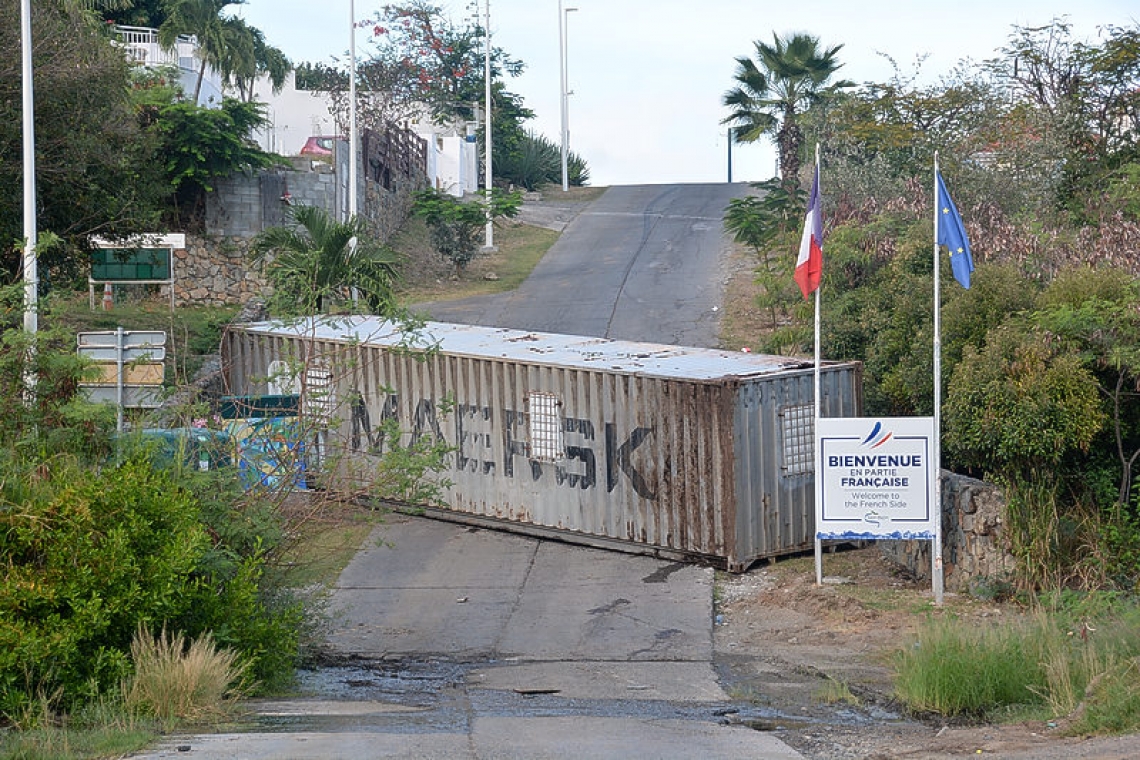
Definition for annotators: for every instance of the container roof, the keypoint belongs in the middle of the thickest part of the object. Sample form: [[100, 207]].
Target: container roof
[[571, 351]]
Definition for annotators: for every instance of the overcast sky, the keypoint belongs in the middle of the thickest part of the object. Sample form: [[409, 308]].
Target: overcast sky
[[648, 76]]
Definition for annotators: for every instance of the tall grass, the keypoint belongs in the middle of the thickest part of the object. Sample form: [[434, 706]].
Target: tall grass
[[100, 729], [955, 668], [175, 681], [1079, 670]]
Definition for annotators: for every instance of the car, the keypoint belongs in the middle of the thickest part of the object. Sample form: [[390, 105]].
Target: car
[[318, 146]]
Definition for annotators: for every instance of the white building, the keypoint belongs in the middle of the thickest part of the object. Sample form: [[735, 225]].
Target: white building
[[141, 44], [293, 116]]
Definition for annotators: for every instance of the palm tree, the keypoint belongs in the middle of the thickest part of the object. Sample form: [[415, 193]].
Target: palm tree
[[252, 58], [786, 78], [217, 37], [318, 260]]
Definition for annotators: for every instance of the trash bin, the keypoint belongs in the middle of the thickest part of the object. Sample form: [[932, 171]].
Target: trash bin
[[202, 448]]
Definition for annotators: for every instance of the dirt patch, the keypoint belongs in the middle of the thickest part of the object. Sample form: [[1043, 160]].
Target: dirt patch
[[813, 662]]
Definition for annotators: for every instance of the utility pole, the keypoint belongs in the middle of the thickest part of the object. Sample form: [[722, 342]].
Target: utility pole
[[564, 89], [31, 268], [488, 180]]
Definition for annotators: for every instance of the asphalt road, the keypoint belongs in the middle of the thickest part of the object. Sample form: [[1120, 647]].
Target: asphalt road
[[451, 641], [642, 262], [458, 642]]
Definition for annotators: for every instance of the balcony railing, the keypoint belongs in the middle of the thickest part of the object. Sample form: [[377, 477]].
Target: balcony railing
[[141, 45]]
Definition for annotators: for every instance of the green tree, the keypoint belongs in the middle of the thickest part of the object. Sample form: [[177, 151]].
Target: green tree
[[455, 225], [128, 12], [1086, 95], [197, 146], [786, 78], [879, 136], [94, 166], [1021, 403], [1096, 313], [221, 39], [268, 61], [320, 261]]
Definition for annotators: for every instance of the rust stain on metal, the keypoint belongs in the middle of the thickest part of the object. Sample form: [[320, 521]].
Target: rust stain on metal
[[660, 447]]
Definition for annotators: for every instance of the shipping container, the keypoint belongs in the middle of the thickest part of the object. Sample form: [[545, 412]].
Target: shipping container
[[674, 451]]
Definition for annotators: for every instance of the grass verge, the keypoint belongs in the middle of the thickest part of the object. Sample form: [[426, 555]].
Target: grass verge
[[1081, 672], [519, 249]]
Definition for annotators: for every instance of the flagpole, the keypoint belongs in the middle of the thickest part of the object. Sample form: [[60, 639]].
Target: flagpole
[[30, 252], [936, 547], [815, 419]]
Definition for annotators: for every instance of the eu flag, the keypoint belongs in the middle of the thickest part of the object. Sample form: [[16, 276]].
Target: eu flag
[[952, 234]]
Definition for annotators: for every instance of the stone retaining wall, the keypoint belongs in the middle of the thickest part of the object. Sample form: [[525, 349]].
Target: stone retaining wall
[[215, 271], [973, 537]]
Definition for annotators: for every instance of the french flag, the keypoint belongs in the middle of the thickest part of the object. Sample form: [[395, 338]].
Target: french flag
[[809, 265]]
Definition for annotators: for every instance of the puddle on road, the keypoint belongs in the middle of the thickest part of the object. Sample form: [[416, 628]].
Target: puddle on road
[[434, 696]]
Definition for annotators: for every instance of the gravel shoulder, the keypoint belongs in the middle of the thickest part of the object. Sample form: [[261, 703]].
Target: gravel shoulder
[[815, 663]]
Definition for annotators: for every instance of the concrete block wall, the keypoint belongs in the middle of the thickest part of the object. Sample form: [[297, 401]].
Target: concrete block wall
[[974, 546], [245, 204], [214, 269]]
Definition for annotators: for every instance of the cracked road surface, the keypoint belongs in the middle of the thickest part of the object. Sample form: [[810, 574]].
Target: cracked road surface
[[452, 641]]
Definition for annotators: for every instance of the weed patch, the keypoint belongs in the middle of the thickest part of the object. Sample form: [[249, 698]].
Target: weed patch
[[179, 681], [1083, 671]]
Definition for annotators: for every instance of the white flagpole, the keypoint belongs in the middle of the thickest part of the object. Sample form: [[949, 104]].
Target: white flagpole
[[818, 456], [936, 545], [31, 255]]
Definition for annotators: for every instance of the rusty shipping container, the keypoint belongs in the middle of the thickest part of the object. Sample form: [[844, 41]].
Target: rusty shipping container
[[673, 451]]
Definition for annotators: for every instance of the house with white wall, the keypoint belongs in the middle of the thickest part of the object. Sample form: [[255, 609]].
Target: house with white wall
[[141, 46], [294, 116]]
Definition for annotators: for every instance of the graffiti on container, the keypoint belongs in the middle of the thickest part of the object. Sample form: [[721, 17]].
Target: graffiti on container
[[476, 449]]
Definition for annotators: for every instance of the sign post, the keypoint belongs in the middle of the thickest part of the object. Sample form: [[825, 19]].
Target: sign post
[[877, 479], [141, 260], [131, 368]]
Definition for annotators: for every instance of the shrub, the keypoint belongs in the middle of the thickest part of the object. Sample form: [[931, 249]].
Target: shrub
[[536, 160], [175, 680], [88, 555], [455, 225]]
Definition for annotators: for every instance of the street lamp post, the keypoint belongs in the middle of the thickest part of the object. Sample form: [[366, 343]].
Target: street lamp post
[[353, 137], [564, 87], [31, 269], [352, 128], [489, 242]]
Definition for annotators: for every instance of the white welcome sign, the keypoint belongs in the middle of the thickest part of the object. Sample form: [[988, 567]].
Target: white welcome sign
[[876, 478]]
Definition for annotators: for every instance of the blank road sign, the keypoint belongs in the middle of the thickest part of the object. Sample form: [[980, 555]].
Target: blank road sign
[[148, 345], [129, 353], [133, 374], [130, 338], [137, 396]]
